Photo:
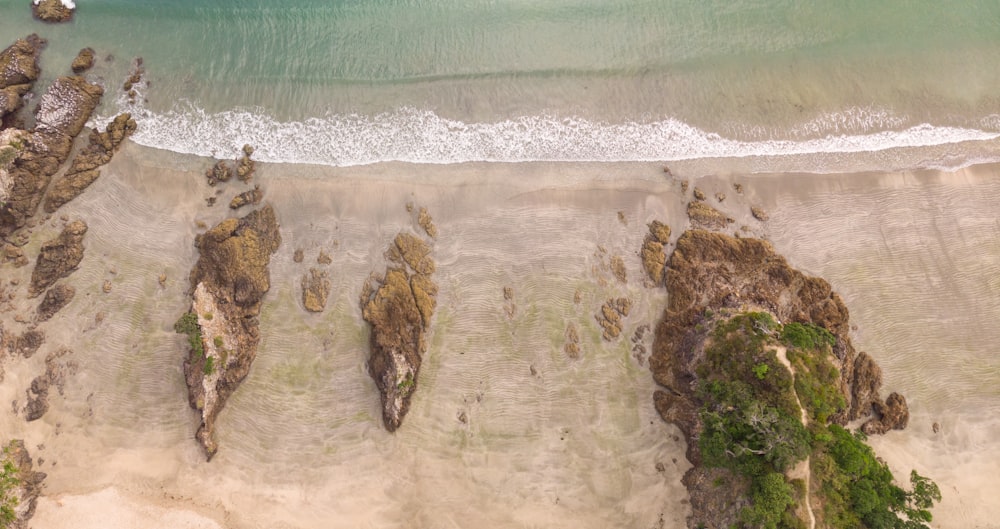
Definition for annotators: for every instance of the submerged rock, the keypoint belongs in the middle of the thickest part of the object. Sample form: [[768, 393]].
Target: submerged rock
[[18, 72], [84, 169], [55, 299], [228, 284], [84, 61], [654, 255], [58, 258], [610, 317], [399, 311], [315, 290]]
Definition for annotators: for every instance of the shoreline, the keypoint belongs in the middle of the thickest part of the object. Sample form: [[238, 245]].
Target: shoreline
[[887, 242]]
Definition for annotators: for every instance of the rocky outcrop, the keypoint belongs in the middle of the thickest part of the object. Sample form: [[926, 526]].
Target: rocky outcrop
[[893, 414], [704, 216], [85, 167], [399, 311], [245, 167], [220, 172], [228, 284], [18, 72], [26, 483], [315, 290], [61, 114], [58, 258], [654, 254], [53, 10], [713, 271], [56, 372], [55, 299], [84, 61]]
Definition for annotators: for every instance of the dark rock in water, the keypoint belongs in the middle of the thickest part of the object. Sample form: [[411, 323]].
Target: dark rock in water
[[56, 371], [19, 61], [610, 317], [61, 114], [227, 285], [51, 11], [55, 299], [84, 169], [706, 217], [58, 258], [28, 486], [399, 311], [83, 61], [26, 344], [250, 197]]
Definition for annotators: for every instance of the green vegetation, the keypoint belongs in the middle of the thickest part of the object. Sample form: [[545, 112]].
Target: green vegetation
[[406, 384], [209, 366], [188, 324], [753, 427], [218, 341], [8, 483]]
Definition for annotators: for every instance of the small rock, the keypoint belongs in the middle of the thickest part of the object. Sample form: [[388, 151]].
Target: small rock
[[721, 197], [738, 188], [427, 223], [508, 293], [684, 186], [252, 197], [107, 286], [315, 290], [759, 214], [699, 194], [936, 427], [323, 258], [83, 61], [463, 418], [162, 280], [299, 255]]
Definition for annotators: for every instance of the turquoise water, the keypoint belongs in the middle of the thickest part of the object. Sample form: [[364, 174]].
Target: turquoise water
[[347, 82]]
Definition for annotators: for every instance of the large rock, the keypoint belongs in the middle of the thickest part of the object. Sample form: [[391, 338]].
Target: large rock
[[399, 312], [893, 414], [58, 258], [227, 285], [85, 167], [53, 10], [27, 485], [19, 61], [61, 114], [84, 61]]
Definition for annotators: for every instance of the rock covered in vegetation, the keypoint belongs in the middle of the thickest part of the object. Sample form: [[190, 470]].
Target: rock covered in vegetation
[[711, 277], [315, 290], [399, 311], [53, 10], [84, 169], [58, 257], [61, 114], [21, 484], [654, 255], [228, 284], [83, 61]]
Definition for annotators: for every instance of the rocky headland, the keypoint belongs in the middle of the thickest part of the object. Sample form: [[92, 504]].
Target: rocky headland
[[228, 284], [745, 342], [399, 310]]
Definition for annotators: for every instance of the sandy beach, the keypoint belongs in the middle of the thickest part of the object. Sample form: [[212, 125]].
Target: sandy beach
[[548, 440]]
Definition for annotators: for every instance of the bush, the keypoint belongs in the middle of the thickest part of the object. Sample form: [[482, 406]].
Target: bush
[[806, 336], [188, 324], [8, 483]]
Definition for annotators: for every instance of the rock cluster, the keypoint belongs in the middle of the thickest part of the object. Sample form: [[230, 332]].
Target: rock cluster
[[654, 254], [28, 486], [399, 311], [85, 168], [228, 284], [58, 257], [610, 316]]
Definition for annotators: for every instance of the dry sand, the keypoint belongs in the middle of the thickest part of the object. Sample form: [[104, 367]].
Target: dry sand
[[548, 441]]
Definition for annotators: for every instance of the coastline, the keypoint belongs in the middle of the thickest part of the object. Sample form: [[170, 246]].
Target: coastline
[[907, 251]]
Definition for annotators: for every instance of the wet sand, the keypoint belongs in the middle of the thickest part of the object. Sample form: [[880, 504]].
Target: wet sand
[[548, 440]]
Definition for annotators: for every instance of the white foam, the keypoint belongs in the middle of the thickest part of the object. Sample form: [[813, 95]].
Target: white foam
[[68, 3], [422, 136]]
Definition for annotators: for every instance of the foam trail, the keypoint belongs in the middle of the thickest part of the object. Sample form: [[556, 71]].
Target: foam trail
[[422, 136]]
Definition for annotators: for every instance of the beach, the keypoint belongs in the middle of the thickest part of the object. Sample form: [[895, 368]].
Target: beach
[[547, 440]]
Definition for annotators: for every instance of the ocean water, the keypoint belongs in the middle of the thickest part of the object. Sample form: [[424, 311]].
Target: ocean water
[[343, 82]]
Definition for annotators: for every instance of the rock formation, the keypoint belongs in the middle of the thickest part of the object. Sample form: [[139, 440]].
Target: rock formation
[[709, 273], [654, 255], [220, 172], [53, 10], [399, 311], [706, 217], [56, 371], [610, 317], [58, 258], [426, 222], [245, 167], [27, 483], [227, 285], [61, 114], [55, 299], [84, 61], [315, 290], [84, 169], [249, 197], [18, 71]]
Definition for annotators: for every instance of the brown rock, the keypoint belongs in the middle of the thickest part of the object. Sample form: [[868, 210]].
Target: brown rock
[[610, 316], [55, 299], [299, 255], [699, 194], [323, 258], [228, 284], [572, 346], [58, 258], [759, 214], [315, 290], [654, 256], [250, 197], [220, 172], [84, 61], [618, 268], [83, 171], [427, 223], [399, 311], [19, 62], [706, 217], [245, 167], [508, 293], [27, 344], [51, 11], [56, 371], [893, 414]]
